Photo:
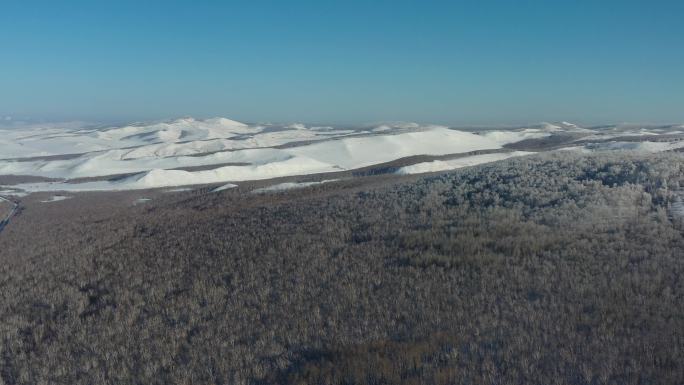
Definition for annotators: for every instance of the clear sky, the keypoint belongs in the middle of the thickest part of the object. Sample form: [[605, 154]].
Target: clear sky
[[453, 62]]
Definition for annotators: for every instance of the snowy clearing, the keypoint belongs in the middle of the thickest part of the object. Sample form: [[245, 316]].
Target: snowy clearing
[[444, 165], [290, 186], [224, 187], [56, 198]]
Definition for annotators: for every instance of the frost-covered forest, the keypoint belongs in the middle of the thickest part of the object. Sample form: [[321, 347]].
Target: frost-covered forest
[[559, 268]]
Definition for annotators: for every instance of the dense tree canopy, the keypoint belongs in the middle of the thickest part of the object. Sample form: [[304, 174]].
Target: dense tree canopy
[[559, 268]]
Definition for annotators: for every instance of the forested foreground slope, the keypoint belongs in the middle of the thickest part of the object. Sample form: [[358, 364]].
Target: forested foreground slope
[[560, 268]]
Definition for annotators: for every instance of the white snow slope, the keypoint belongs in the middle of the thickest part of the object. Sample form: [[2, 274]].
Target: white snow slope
[[193, 151], [444, 165], [290, 186], [330, 151]]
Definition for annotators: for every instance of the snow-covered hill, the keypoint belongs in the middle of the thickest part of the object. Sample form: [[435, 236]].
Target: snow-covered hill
[[330, 155], [191, 151]]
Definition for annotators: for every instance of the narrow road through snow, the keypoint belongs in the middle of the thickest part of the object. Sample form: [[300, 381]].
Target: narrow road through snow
[[5, 221]]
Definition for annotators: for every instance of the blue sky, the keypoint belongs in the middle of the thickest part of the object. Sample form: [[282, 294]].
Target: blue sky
[[453, 62]]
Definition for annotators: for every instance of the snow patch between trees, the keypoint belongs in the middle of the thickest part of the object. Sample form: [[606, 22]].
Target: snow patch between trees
[[56, 198], [445, 165], [290, 186]]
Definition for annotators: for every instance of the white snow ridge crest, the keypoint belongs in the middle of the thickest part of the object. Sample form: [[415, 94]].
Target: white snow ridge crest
[[190, 151], [164, 154]]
